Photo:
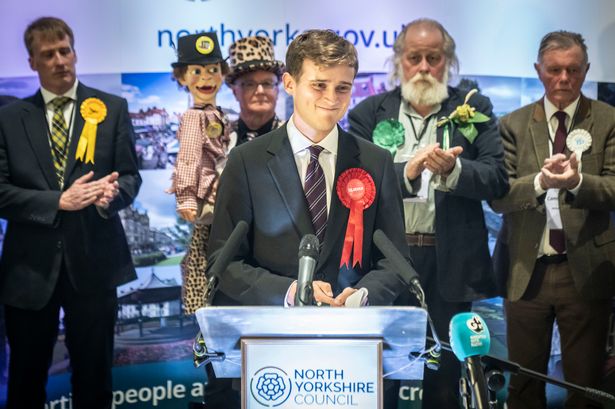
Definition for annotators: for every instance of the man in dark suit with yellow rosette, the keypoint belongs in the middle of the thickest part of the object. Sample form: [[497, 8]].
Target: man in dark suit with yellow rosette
[[67, 166], [557, 243]]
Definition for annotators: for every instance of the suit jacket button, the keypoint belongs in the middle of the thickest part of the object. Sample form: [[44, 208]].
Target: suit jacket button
[[59, 244], [320, 276]]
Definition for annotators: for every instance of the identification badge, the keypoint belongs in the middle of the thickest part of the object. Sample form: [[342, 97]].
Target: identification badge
[[554, 219], [423, 193]]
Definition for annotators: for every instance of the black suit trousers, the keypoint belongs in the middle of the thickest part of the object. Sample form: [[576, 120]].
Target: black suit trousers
[[88, 322]]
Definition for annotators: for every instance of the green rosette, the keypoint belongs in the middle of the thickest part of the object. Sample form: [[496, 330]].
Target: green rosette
[[389, 134]]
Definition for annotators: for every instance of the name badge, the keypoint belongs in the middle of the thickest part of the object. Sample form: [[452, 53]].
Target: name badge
[[423, 193], [554, 219]]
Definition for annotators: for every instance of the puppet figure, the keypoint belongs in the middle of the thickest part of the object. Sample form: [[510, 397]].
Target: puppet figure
[[203, 137]]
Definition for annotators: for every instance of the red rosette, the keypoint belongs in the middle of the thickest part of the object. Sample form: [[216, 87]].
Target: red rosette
[[357, 191]]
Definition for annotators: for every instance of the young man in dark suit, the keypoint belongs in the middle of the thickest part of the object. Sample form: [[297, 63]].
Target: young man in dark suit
[[293, 181], [264, 181], [67, 166]]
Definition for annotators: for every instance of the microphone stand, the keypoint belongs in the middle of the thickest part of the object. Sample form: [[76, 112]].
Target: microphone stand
[[500, 365], [433, 360]]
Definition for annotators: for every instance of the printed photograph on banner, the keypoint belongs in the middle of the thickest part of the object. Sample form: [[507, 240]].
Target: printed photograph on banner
[[156, 103], [22, 87]]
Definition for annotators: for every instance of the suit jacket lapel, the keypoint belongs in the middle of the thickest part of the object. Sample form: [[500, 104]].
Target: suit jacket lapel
[[539, 132], [37, 130], [286, 177], [337, 221], [82, 94], [389, 108]]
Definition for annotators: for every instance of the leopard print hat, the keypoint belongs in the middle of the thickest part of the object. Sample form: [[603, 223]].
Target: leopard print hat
[[252, 54]]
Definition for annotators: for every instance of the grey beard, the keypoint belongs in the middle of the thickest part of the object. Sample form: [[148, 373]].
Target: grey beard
[[425, 95]]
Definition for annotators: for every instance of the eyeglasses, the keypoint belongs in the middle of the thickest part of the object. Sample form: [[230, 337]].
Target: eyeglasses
[[253, 85]]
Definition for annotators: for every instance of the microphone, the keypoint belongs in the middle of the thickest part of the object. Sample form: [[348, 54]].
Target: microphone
[[308, 257], [409, 275], [400, 264], [470, 339], [229, 250]]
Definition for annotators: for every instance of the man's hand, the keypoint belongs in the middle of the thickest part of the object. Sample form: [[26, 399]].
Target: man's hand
[[81, 193], [441, 162], [322, 294], [558, 172], [188, 215], [416, 164], [110, 187], [348, 291]]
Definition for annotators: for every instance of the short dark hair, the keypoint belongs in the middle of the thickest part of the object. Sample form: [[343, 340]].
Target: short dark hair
[[562, 40], [51, 28], [324, 47]]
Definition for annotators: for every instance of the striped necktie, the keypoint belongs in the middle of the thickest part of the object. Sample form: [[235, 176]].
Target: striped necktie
[[316, 192], [59, 137]]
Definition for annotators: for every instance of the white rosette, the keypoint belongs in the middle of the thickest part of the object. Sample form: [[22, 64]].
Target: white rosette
[[578, 141]]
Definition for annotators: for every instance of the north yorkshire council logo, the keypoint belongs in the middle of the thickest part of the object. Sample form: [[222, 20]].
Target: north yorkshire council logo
[[270, 386]]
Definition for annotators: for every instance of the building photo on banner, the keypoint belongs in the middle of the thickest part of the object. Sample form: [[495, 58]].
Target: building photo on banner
[[126, 48]]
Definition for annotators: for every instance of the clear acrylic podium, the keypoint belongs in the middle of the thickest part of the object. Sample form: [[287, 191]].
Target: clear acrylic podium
[[399, 333], [402, 329]]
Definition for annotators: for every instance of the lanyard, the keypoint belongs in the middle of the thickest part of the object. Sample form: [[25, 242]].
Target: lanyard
[[423, 130]]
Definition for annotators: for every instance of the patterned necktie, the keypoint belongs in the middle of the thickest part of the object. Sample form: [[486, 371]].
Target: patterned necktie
[[316, 192], [59, 137], [557, 239]]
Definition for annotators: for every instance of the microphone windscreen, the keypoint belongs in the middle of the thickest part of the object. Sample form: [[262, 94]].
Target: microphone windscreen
[[309, 246], [469, 335]]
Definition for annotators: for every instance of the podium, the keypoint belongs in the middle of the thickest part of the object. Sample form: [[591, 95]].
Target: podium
[[314, 356]]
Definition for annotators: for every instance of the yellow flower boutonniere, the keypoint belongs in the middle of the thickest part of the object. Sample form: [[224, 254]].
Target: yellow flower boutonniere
[[464, 116], [93, 111]]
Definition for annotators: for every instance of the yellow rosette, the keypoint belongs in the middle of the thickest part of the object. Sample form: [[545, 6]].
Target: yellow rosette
[[93, 111]]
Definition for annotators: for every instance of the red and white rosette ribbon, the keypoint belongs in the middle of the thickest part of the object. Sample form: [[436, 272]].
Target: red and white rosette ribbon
[[356, 190]]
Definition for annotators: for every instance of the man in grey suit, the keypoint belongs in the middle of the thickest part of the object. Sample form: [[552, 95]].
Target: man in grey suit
[[557, 243], [64, 245], [443, 176]]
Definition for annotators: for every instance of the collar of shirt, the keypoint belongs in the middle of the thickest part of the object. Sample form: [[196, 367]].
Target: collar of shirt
[[551, 109], [69, 108], [48, 96], [300, 142], [407, 109]]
